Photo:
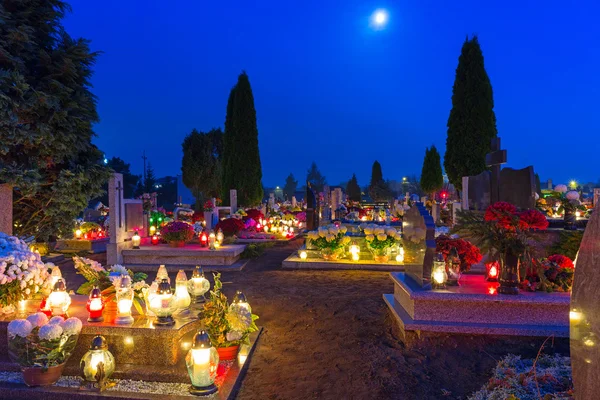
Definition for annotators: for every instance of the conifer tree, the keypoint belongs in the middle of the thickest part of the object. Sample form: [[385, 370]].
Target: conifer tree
[[432, 178], [316, 179], [378, 188], [353, 189], [472, 122], [290, 187]]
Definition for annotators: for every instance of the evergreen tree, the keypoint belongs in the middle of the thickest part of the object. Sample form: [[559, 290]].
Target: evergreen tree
[[316, 179], [46, 115], [241, 158], [432, 178], [353, 189], [150, 179], [378, 188], [201, 164], [290, 187], [472, 122]]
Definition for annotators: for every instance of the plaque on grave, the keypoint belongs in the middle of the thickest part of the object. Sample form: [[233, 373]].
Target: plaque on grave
[[418, 239], [134, 216]]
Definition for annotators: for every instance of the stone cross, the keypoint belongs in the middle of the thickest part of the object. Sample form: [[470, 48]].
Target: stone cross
[[494, 159], [117, 230], [233, 200], [6, 208]]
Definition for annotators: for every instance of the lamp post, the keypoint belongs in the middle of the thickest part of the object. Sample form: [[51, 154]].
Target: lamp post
[[202, 362]]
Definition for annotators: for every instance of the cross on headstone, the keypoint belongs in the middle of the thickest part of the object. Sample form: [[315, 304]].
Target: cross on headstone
[[119, 190], [494, 159]]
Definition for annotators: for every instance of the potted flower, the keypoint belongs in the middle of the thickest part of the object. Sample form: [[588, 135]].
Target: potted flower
[[505, 234], [23, 275], [552, 274], [227, 325], [97, 276], [42, 347], [330, 240], [230, 226], [177, 233], [380, 240]]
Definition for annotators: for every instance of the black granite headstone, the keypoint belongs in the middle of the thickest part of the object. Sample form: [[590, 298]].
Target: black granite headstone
[[517, 186]]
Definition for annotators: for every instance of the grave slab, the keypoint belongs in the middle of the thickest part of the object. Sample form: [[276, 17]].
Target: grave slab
[[295, 262], [475, 308], [75, 245], [191, 254]]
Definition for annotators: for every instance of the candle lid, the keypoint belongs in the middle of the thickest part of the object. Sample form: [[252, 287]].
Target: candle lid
[[198, 273], [164, 287], [239, 297], [99, 343], [95, 293], [202, 340], [59, 286]]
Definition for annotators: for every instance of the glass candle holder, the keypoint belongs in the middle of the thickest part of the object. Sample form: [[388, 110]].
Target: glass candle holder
[[181, 291], [202, 362], [198, 285], [59, 300], [163, 304], [95, 305], [97, 359]]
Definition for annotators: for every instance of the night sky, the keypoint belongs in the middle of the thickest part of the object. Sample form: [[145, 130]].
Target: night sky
[[329, 88]]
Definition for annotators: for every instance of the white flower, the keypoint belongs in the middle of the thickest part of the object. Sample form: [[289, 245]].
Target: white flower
[[72, 326], [56, 320], [370, 238], [50, 332], [119, 269], [343, 229], [19, 327], [561, 188], [330, 238], [140, 285], [572, 195], [38, 319], [381, 237], [323, 232], [368, 230], [233, 336]]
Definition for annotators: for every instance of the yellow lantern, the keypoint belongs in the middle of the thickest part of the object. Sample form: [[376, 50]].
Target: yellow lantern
[[163, 304], [78, 234], [136, 240], [202, 362], [438, 272], [152, 229], [211, 241], [125, 295], [198, 285], [181, 291], [59, 300], [98, 359], [220, 236], [303, 255]]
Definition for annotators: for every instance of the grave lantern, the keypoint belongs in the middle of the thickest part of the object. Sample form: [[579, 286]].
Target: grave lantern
[[152, 229], [95, 305], [266, 229], [240, 301], [220, 236], [55, 275], [438, 272], [355, 251], [202, 362], [78, 234], [59, 300], [198, 285], [136, 240], [181, 290], [303, 255], [211, 241], [400, 255], [453, 267], [125, 295], [492, 271], [163, 304], [98, 364], [155, 240], [203, 239]]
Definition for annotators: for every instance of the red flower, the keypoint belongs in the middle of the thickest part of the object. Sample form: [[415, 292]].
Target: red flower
[[469, 253], [254, 214], [230, 226], [562, 261], [532, 219], [503, 213]]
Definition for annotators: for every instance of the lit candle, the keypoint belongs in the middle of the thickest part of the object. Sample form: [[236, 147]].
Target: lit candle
[[78, 234], [303, 255]]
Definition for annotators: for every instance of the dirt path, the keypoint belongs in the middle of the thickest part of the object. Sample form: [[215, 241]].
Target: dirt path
[[327, 335]]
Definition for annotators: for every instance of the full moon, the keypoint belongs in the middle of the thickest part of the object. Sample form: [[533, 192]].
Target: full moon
[[379, 18]]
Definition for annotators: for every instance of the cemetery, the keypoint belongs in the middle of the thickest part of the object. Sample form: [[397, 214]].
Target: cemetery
[[460, 275]]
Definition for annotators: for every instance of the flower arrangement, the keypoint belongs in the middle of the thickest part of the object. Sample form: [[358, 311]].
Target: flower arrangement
[[301, 216], [208, 206], [469, 253], [254, 214], [89, 227], [553, 274], [250, 224], [96, 275], [177, 231], [227, 326], [41, 343], [230, 226], [288, 217], [330, 240], [548, 377], [380, 239], [241, 212], [296, 209], [147, 202], [22, 272]]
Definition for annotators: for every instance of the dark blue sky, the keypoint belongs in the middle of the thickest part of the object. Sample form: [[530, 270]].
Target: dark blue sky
[[328, 88]]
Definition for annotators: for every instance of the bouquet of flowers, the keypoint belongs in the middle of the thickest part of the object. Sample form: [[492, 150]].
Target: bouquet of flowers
[[469, 253], [208, 206], [230, 226], [147, 201], [254, 214], [330, 240], [96, 275], [289, 217], [301, 216], [553, 274], [37, 342], [226, 325], [380, 238], [22, 273], [177, 231]]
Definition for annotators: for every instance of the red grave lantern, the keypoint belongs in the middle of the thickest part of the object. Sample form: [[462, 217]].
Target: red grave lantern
[[95, 305], [203, 239], [492, 271]]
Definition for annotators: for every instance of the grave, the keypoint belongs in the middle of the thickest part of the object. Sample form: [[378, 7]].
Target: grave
[[142, 351]]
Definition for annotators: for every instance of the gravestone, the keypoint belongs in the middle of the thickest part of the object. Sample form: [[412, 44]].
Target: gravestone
[[435, 212], [6, 208], [263, 209], [456, 207], [233, 200], [596, 196], [294, 201], [517, 186], [336, 199], [418, 230], [494, 159], [312, 209], [585, 313], [478, 193], [271, 200], [134, 216], [119, 239]]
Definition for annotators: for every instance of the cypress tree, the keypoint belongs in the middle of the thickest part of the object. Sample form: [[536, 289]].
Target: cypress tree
[[431, 174], [353, 189], [241, 159], [290, 187], [472, 122], [316, 179], [378, 188]]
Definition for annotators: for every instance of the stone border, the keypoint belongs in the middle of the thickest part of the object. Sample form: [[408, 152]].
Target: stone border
[[295, 262], [152, 268]]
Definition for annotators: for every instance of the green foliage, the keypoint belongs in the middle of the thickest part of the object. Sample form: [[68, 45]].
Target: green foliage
[[87, 227], [567, 244], [241, 159], [353, 189], [255, 250], [130, 181], [378, 188], [201, 166], [472, 122], [316, 179], [148, 185], [31, 351], [290, 187], [431, 174], [46, 115]]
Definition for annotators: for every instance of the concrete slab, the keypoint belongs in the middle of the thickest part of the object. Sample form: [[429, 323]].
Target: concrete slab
[[152, 268], [295, 262], [191, 254]]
